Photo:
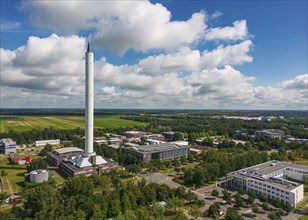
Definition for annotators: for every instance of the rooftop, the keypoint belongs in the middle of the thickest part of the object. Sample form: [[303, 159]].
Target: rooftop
[[155, 148], [66, 150], [7, 141], [262, 171]]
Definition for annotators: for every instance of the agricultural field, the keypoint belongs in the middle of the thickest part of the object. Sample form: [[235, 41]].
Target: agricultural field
[[24, 123]]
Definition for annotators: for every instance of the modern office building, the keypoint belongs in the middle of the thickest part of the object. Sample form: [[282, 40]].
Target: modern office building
[[270, 179], [164, 151], [7, 146]]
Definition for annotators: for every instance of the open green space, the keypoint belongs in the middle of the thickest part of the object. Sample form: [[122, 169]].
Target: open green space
[[186, 166], [14, 180], [301, 161], [24, 123]]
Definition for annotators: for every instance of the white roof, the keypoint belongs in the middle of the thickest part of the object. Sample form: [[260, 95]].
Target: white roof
[[181, 143], [86, 161]]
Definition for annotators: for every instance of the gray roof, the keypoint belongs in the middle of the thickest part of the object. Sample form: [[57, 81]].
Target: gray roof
[[155, 148], [261, 171], [65, 150]]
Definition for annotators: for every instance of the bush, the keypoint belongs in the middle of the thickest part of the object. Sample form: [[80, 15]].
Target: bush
[[4, 173], [241, 191], [215, 193]]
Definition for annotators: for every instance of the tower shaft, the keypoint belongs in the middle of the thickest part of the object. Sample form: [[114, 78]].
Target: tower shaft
[[89, 102]]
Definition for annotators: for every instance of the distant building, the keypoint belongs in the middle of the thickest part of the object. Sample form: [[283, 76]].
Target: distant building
[[268, 179], [195, 151], [272, 133], [300, 140], [158, 137], [7, 146], [153, 142], [114, 141], [168, 134], [164, 151], [133, 134], [45, 142]]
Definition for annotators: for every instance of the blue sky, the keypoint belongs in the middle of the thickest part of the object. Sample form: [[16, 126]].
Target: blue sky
[[271, 57]]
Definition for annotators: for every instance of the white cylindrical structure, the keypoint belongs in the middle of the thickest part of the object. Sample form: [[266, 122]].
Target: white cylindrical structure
[[89, 102]]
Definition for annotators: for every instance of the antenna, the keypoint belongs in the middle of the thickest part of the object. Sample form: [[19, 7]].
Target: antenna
[[89, 49]]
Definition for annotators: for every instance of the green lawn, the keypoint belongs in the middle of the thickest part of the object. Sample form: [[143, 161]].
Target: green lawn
[[15, 178], [304, 217], [302, 161], [23, 123], [187, 166]]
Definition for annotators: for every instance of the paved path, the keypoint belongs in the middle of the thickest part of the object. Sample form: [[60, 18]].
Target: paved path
[[165, 179], [10, 187]]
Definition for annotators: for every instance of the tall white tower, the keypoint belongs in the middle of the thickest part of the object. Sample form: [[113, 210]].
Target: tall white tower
[[89, 101], [89, 158]]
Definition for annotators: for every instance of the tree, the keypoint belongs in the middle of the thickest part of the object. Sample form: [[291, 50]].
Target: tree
[[47, 148], [233, 214], [42, 201], [214, 210], [98, 214], [174, 203], [215, 193], [265, 206], [272, 216], [241, 191], [3, 196], [276, 202], [255, 209], [250, 200], [281, 212], [37, 163], [156, 210], [4, 173], [226, 195], [238, 200], [180, 192], [195, 212]]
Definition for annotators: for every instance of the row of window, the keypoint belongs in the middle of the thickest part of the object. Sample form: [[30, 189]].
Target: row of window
[[282, 198], [268, 189]]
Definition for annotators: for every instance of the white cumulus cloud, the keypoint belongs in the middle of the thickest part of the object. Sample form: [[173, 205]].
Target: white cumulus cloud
[[238, 31]]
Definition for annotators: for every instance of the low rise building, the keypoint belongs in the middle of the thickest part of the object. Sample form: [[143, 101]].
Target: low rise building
[[65, 153], [153, 142], [272, 133], [67, 161], [7, 146], [164, 151], [45, 142], [270, 179]]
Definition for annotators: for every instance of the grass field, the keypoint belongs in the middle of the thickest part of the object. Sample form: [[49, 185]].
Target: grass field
[[24, 123], [301, 161]]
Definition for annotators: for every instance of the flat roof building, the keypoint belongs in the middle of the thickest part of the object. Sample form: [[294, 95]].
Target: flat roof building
[[67, 159], [7, 146], [272, 133], [164, 151], [45, 142], [270, 179]]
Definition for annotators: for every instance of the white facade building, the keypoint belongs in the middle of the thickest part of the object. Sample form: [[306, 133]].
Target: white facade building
[[7, 146], [45, 142], [268, 179]]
